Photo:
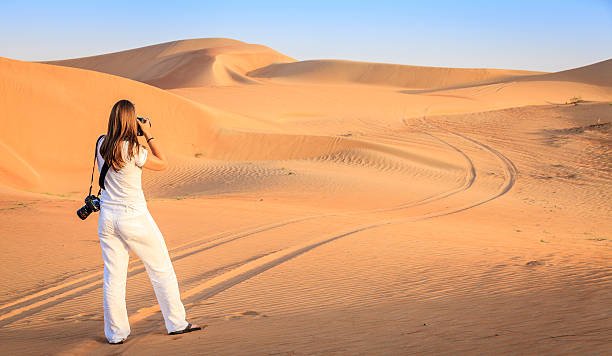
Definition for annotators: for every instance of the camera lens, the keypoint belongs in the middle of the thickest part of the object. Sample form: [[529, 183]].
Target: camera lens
[[83, 212]]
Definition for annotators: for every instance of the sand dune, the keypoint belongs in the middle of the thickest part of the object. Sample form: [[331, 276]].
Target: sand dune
[[599, 73], [336, 207], [405, 76], [193, 132], [222, 62], [187, 63], [51, 114]]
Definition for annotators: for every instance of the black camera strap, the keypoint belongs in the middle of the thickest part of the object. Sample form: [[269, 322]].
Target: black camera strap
[[105, 167], [102, 172]]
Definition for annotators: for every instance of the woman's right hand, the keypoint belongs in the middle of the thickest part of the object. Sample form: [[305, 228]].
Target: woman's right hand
[[146, 127]]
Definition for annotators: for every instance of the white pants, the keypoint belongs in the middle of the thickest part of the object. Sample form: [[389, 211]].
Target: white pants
[[131, 227]]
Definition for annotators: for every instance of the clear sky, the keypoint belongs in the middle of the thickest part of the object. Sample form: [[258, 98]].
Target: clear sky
[[520, 34]]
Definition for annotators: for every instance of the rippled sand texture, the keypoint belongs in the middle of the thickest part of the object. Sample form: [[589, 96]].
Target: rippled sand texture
[[317, 207]]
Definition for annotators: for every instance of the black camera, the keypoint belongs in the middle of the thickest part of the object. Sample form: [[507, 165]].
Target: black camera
[[143, 120], [92, 203]]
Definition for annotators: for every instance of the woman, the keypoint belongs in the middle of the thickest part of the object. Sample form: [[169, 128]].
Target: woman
[[126, 224]]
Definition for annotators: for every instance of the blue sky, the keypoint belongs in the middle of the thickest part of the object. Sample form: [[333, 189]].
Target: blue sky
[[520, 34]]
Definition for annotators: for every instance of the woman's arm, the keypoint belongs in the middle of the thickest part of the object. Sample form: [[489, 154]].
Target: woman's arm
[[156, 160]]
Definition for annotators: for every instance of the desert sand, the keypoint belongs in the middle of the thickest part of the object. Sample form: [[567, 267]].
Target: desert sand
[[317, 207]]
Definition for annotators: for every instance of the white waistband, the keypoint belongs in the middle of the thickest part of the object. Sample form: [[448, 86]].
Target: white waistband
[[123, 205]]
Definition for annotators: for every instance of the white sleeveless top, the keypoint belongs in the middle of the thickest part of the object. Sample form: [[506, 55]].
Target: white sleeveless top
[[125, 186]]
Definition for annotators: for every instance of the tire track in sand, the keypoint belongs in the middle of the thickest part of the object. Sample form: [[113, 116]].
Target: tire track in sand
[[509, 168], [33, 303], [468, 181]]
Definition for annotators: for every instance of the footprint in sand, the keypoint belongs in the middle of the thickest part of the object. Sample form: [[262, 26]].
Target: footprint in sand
[[246, 314], [534, 263], [78, 317]]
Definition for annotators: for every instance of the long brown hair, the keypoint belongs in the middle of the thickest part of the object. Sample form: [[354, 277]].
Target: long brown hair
[[122, 126]]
